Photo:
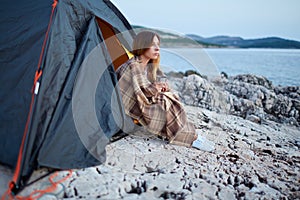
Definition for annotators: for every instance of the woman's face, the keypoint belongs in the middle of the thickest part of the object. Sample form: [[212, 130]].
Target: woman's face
[[153, 51]]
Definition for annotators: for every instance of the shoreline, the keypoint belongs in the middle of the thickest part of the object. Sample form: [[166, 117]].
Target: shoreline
[[251, 97], [278, 65]]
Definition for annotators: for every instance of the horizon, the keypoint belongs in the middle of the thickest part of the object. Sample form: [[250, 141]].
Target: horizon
[[249, 20]]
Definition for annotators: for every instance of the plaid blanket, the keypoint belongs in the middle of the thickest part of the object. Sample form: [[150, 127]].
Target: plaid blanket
[[160, 113]]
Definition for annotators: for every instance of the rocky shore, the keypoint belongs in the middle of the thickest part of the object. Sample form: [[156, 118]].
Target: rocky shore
[[254, 124], [248, 96]]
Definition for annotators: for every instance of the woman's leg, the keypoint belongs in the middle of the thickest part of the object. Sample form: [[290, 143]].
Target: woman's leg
[[186, 136], [177, 129]]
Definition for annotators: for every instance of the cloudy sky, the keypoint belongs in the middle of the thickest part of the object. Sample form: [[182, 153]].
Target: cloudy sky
[[248, 19]]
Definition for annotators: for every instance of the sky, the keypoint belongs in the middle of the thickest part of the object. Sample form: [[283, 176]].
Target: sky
[[248, 19]]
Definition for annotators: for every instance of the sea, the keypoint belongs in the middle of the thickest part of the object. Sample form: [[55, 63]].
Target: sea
[[281, 66]]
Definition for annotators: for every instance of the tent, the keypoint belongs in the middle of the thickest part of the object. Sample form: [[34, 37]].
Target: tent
[[59, 101]]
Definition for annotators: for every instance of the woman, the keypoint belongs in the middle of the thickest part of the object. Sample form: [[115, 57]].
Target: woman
[[150, 101]]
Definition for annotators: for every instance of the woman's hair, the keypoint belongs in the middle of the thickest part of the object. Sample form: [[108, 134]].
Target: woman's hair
[[141, 43]]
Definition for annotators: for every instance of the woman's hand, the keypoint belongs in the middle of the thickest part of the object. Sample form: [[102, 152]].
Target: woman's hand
[[162, 86]]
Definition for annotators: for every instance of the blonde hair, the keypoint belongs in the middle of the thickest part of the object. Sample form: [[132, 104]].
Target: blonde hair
[[141, 43]]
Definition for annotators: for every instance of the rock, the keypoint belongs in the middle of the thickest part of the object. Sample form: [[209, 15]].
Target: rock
[[242, 95], [226, 193], [258, 160], [253, 118], [206, 190], [254, 80]]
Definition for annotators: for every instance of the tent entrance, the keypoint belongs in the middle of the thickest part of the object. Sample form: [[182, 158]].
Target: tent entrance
[[118, 53]]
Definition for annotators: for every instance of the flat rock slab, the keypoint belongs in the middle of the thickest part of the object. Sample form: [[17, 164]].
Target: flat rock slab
[[251, 161]]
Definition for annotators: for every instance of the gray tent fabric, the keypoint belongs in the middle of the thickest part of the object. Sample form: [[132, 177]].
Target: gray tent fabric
[[77, 108], [20, 45]]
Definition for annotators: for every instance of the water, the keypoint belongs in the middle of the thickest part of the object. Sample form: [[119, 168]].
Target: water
[[281, 66]]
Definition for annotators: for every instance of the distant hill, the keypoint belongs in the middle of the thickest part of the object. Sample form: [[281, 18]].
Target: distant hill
[[269, 42], [173, 39]]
